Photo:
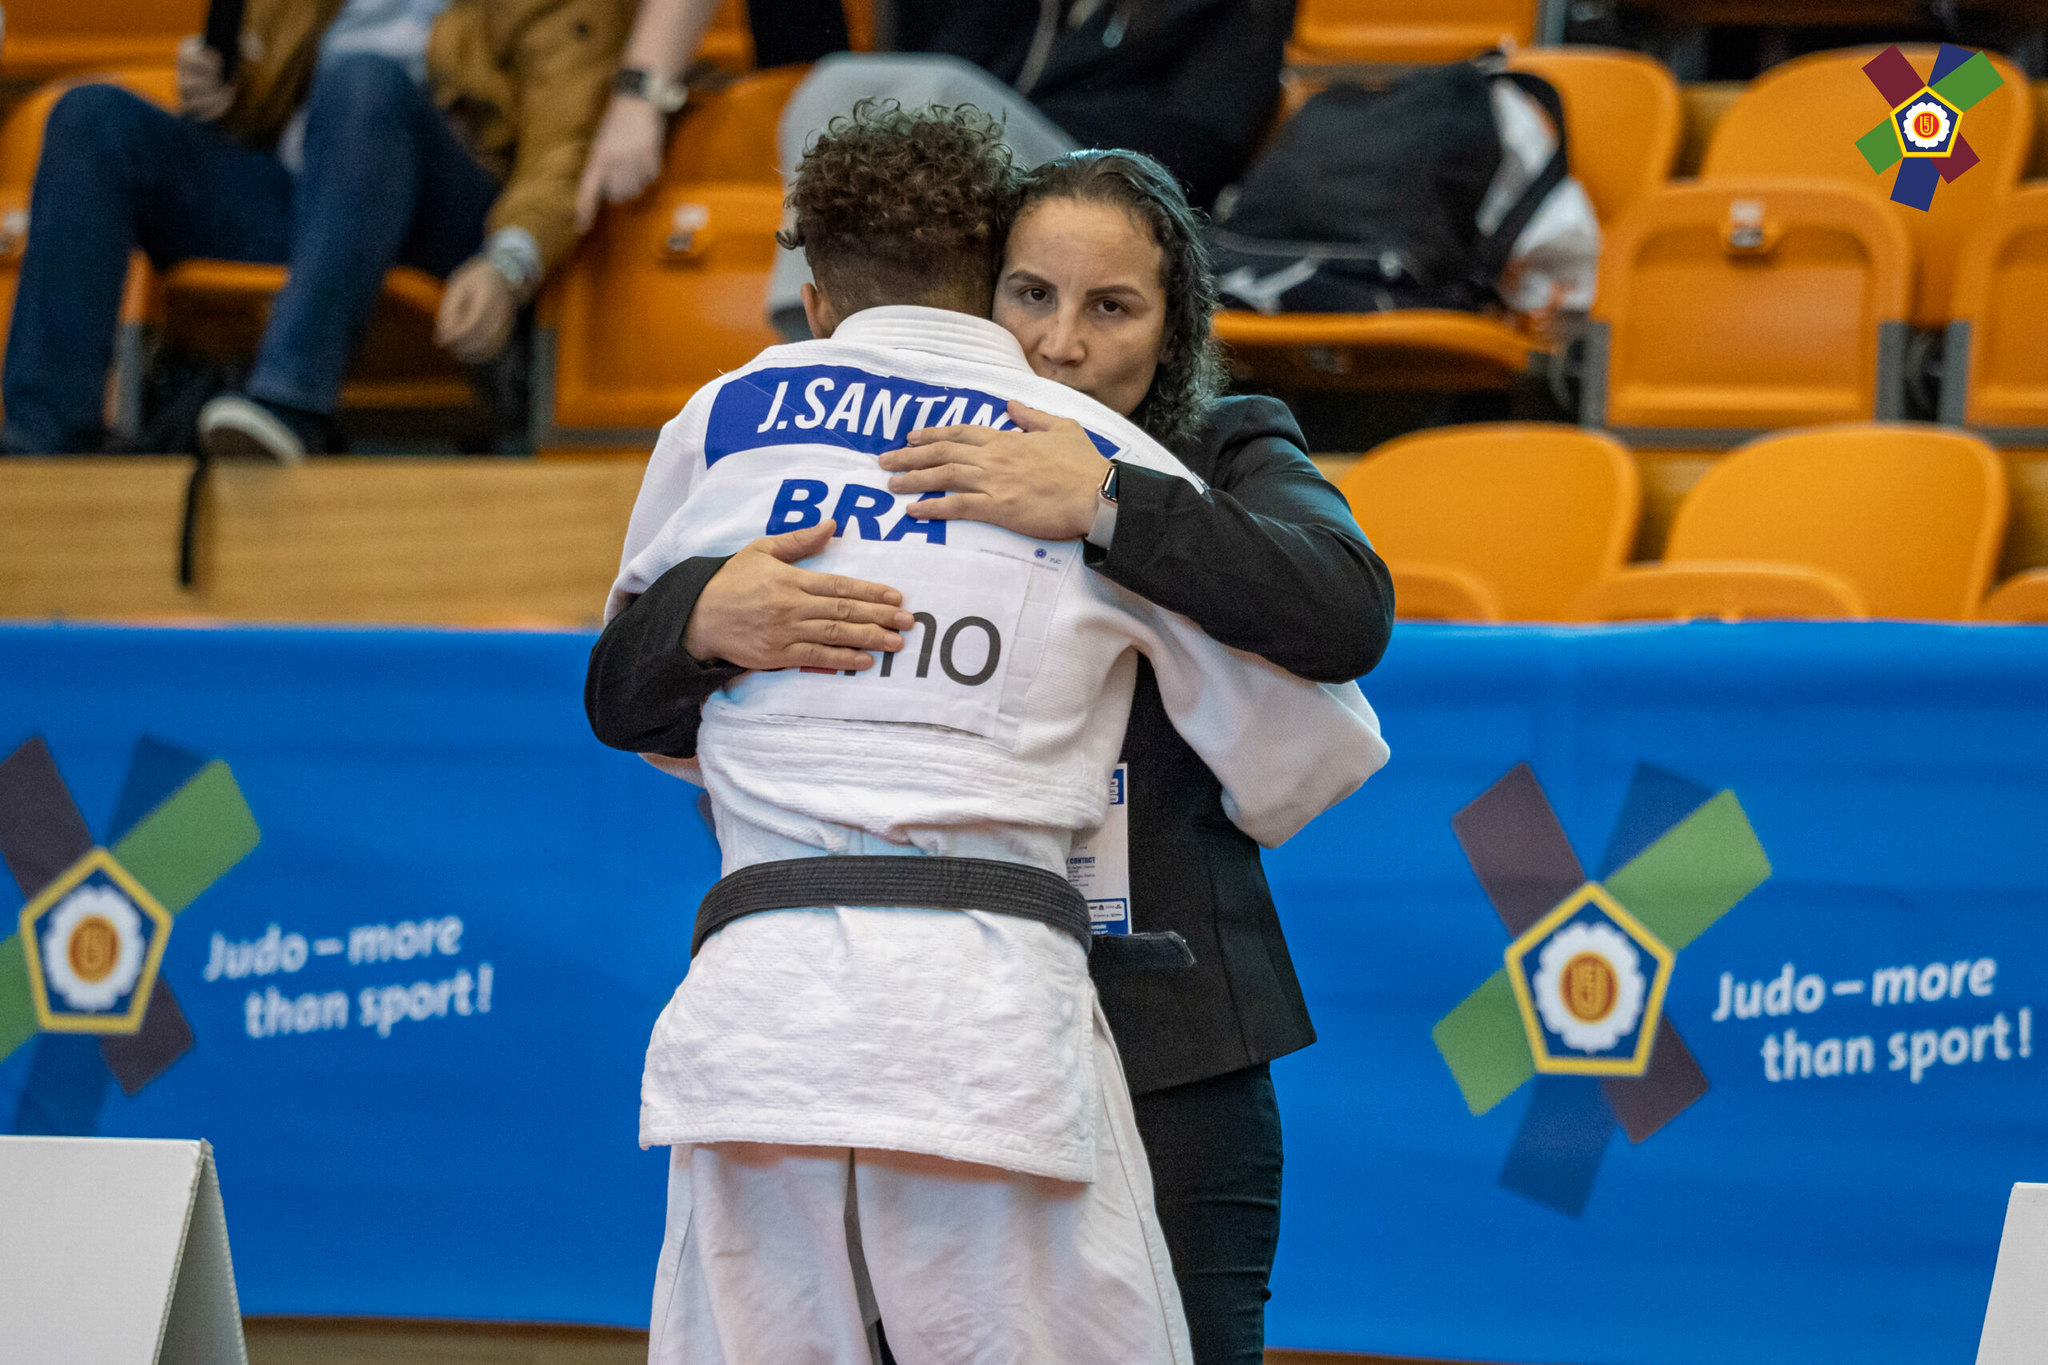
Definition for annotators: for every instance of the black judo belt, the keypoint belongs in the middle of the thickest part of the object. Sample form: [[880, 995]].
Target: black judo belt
[[933, 884]]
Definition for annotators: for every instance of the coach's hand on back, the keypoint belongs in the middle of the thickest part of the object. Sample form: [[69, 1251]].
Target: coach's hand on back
[[763, 612], [1039, 480]]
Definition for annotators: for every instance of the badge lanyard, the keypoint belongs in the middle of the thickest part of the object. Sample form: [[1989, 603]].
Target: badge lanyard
[[1099, 863]]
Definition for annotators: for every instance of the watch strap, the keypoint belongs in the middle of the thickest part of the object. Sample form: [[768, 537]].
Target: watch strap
[[664, 94]]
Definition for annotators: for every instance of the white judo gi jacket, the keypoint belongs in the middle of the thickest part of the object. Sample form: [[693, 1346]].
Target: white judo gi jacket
[[992, 734]]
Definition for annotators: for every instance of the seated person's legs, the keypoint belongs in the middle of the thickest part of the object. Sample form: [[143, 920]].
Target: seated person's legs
[[915, 81], [116, 173], [385, 182]]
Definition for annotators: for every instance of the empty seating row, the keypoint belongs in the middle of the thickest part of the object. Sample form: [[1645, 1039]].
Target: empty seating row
[[54, 37], [1780, 288], [1533, 522], [1732, 307]]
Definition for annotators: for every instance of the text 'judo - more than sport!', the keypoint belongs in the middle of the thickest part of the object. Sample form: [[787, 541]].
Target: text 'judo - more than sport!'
[[271, 1012], [1943, 990]]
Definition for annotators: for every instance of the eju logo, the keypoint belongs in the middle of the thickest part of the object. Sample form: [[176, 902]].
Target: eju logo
[[97, 918], [1923, 133], [1578, 1003]]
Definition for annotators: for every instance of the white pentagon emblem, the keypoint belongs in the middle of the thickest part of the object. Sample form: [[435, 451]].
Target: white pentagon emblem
[[1590, 981], [93, 938], [1925, 124]]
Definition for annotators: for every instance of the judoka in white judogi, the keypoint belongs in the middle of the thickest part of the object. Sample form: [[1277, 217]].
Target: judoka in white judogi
[[934, 1089]]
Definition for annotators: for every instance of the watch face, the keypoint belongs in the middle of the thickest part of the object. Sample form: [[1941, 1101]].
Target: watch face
[[1109, 483]]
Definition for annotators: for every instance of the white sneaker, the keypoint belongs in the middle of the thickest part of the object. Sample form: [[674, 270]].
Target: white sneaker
[[233, 427]]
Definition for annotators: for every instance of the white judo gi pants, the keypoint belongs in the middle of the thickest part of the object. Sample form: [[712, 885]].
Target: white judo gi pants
[[780, 1255]]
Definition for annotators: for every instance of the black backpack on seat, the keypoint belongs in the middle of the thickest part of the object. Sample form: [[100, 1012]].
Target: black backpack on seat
[[1368, 200]]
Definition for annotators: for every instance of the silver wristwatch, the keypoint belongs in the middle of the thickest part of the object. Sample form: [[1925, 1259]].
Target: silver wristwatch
[[660, 91], [1103, 530]]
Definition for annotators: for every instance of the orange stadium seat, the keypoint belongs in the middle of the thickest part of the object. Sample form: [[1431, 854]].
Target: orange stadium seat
[[1496, 521], [1622, 119], [1410, 349], [1775, 13], [1735, 307], [1995, 368], [221, 307], [1724, 590], [2023, 597], [1391, 32], [1898, 520], [1803, 119], [729, 43], [860, 25], [666, 293], [55, 37], [1439, 592]]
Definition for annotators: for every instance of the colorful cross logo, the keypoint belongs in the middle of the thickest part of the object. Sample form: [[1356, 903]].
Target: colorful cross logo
[[82, 970], [1578, 1001], [1923, 134]]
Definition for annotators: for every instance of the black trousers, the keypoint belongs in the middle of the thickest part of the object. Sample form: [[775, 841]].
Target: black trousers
[[1214, 1149]]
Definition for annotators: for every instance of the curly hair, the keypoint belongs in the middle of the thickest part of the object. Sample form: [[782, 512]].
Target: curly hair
[[1191, 374], [895, 205]]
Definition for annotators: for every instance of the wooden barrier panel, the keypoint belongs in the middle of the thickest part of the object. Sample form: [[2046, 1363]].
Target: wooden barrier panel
[[92, 537], [463, 541], [456, 542]]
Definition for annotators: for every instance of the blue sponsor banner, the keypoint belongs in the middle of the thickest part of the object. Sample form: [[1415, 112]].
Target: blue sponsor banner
[[838, 405], [417, 1008]]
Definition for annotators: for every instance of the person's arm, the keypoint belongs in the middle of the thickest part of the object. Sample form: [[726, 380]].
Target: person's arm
[[704, 622], [1269, 561], [625, 156], [644, 691], [562, 62], [1284, 750]]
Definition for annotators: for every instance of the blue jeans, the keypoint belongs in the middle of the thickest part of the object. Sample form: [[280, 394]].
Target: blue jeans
[[385, 182]]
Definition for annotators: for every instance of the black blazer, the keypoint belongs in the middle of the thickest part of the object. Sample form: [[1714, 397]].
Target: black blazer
[[1269, 561]]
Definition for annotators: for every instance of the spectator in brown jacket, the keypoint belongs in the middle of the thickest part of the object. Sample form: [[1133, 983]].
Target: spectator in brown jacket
[[353, 135]]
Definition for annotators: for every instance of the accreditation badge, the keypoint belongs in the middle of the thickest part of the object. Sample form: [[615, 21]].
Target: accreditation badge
[[1099, 864]]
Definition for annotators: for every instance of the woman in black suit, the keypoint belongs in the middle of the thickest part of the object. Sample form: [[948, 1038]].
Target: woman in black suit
[[1107, 288]]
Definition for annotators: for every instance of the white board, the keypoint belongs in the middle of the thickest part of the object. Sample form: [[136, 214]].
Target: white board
[[114, 1251], [2016, 1322]]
